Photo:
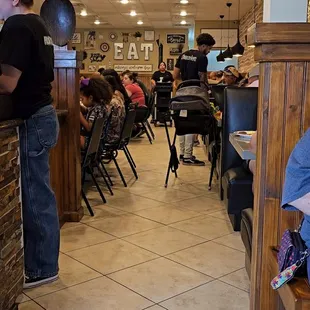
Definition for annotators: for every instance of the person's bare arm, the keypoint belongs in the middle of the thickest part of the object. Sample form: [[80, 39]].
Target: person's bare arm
[[302, 204], [9, 79], [203, 77], [153, 83], [253, 143], [176, 74], [87, 125]]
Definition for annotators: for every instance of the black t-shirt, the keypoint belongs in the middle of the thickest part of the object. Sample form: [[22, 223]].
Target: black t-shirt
[[26, 45], [190, 63], [166, 76]]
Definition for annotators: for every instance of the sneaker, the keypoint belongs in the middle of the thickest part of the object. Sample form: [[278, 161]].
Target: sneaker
[[193, 162], [35, 282]]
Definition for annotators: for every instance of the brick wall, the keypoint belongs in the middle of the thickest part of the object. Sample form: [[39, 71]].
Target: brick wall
[[246, 62], [11, 252]]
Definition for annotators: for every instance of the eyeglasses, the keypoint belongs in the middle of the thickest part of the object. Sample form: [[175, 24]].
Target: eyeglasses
[[84, 82]]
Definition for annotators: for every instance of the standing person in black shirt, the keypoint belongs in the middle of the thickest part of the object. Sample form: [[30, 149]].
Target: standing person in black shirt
[[162, 75], [27, 61], [192, 65]]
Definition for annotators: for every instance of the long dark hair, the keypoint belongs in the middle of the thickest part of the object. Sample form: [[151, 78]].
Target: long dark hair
[[98, 88], [120, 86], [112, 81], [133, 76]]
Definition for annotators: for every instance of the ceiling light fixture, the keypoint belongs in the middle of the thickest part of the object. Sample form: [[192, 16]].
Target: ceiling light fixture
[[140, 22], [97, 22], [183, 22], [183, 13], [220, 56], [83, 12], [133, 13], [124, 1], [183, 1], [238, 49], [254, 22], [228, 53]]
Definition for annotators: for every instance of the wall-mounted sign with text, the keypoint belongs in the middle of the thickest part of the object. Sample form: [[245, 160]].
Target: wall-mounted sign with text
[[176, 38], [134, 68]]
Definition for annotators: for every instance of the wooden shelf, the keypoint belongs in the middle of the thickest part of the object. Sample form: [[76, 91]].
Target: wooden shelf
[[296, 294]]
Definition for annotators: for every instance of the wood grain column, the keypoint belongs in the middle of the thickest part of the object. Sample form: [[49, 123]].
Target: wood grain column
[[66, 157], [283, 51]]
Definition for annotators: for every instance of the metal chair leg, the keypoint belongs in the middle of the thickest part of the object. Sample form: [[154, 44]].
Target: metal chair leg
[[119, 171], [105, 180], [131, 164], [147, 133], [97, 186], [150, 129], [106, 173], [214, 156], [87, 203]]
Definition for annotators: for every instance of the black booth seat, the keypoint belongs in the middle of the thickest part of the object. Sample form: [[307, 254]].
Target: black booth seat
[[240, 113], [246, 236]]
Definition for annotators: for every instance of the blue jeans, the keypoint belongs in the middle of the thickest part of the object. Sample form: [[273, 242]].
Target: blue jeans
[[38, 135]]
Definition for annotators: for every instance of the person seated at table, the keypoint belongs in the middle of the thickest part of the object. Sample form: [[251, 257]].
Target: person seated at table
[[231, 76], [96, 95], [296, 191], [215, 77], [162, 75], [118, 112], [253, 77], [120, 87], [134, 91]]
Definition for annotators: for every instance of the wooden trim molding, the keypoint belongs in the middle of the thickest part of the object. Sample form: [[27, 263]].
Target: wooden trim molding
[[283, 117]]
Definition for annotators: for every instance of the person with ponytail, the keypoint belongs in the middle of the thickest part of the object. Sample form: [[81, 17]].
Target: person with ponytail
[[134, 91]]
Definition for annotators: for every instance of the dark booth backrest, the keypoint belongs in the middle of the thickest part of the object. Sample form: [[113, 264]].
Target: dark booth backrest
[[240, 113]]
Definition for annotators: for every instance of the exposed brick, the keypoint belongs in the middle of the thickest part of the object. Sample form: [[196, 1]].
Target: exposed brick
[[246, 62]]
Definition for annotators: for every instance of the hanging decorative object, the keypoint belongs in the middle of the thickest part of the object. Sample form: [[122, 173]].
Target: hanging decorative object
[[105, 47], [137, 35], [113, 36], [96, 57], [160, 50], [228, 53], [238, 49], [125, 37], [220, 56]]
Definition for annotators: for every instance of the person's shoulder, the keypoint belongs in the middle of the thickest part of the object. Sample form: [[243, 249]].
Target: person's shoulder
[[20, 21]]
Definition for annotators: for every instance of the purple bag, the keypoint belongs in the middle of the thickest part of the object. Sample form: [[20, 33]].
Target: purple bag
[[291, 250]]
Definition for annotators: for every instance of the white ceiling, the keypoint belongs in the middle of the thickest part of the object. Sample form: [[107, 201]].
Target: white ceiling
[[153, 13]]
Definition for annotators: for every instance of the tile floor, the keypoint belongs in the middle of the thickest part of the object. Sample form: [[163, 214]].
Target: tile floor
[[150, 247]]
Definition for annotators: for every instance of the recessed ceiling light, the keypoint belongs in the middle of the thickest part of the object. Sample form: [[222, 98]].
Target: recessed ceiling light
[[183, 1], [140, 22], [183, 22], [133, 13], [83, 12], [97, 22], [183, 13], [124, 1]]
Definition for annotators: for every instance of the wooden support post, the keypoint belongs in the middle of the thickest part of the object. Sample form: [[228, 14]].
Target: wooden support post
[[283, 52], [66, 157]]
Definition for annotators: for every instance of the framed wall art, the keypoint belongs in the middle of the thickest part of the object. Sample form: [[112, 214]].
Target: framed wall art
[[170, 64], [149, 35], [90, 40], [76, 39], [174, 38]]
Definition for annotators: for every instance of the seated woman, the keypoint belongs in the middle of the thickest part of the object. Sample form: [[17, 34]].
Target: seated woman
[[231, 76], [162, 75], [120, 87], [96, 95], [119, 112], [134, 91], [296, 191]]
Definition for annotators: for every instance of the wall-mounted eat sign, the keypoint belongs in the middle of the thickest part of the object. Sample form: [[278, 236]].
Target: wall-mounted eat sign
[[132, 53]]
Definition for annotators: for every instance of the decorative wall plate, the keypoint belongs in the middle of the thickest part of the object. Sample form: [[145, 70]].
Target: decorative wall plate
[[113, 36], [105, 47]]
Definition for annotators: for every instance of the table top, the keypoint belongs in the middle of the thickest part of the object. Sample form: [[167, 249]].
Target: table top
[[242, 147]]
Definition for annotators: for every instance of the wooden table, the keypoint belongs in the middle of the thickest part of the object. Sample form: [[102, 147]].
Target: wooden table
[[242, 147]]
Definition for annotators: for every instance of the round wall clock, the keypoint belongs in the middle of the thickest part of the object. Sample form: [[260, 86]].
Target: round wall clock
[[105, 47], [113, 36]]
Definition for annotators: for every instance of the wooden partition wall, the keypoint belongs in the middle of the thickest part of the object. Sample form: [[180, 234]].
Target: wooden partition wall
[[66, 157], [283, 51]]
